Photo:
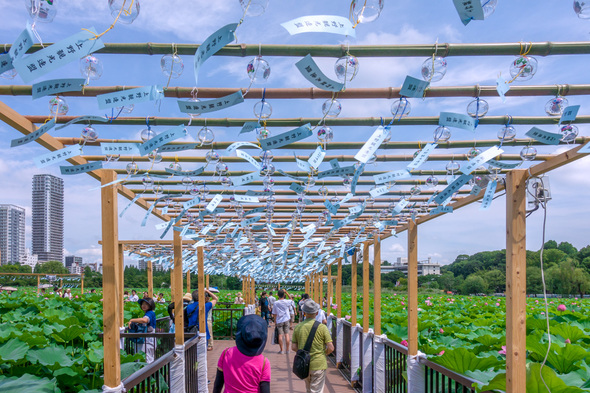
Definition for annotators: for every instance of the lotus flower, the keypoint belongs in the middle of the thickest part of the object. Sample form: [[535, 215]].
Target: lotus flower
[[497, 304], [347, 317], [334, 306], [568, 341], [441, 331], [561, 307], [503, 350], [404, 343], [441, 353]]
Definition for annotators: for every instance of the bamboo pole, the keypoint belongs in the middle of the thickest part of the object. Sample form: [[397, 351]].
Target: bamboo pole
[[412, 288], [543, 48], [178, 306], [377, 285], [336, 122], [201, 288], [516, 281], [339, 289], [150, 278], [110, 260], [121, 285], [316, 93], [366, 277], [353, 292]]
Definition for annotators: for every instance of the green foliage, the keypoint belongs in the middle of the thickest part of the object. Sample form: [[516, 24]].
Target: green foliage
[[474, 284], [51, 267], [233, 283], [28, 383], [462, 360]]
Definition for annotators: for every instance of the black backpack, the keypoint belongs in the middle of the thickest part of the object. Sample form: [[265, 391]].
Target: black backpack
[[303, 357], [186, 314]]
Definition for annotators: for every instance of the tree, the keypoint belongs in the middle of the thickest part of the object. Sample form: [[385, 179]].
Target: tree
[[51, 267], [446, 281], [584, 253], [496, 280], [567, 248], [474, 284], [233, 283], [551, 244], [581, 281], [533, 280]]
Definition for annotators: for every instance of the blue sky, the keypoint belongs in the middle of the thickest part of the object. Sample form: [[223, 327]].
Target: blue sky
[[417, 22]]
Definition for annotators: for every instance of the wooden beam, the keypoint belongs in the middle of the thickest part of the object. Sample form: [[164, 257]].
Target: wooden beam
[[366, 293], [110, 261], [330, 290], [339, 289], [39, 284], [516, 281], [178, 306], [353, 292], [121, 286], [201, 289], [377, 285], [207, 281], [321, 290], [82, 286], [188, 281], [412, 288], [150, 278]]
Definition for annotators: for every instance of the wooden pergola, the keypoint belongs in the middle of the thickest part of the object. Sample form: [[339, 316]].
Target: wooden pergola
[[408, 220], [39, 275]]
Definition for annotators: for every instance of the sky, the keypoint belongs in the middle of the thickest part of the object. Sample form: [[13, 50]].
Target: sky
[[466, 231]]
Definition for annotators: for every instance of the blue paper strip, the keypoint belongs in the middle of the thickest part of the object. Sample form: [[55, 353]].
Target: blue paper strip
[[193, 202], [245, 179], [320, 24], [302, 179], [504, 165], [196, 172], [413, 87], [469, 10], [310, 70], [22, 44], [569, 113], [162, 138], [33, 135], [355, 178], [481, 159], [502, 88], [175, 148], [212, 45], [77, 169], [89, 119], [297, 188], [249, 126], [286, 138], [422, 157], [211, 105], [457, 120], [338, 172], [57, 156], [137, 196], [57, 55], [55, 86], [548, 138], [489, 195], [120, 148], [5, 63], [130, 96], [452, 188], [584, 149]]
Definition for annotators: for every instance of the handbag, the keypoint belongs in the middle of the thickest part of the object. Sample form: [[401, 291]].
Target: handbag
[[303, 357], [276, 335]]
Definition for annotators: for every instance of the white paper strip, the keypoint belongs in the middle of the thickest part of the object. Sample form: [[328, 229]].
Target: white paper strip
[[214, 202], [371, 146]]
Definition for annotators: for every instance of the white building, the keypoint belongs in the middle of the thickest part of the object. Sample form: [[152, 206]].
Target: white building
[[48, 218], [29, 259], [425, 267], [12, 234], [75, 268]]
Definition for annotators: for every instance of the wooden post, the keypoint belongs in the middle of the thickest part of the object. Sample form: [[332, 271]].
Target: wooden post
[[207, 281], [201, 288], [61, 283], [321, 291], [307, 284], [516, 281], [82, 284], [177, 283], [150, 278], [110, 259], [412, 288], [188, 281], [353, 292], [38, 284], [329, 294], [377, 285], [121, 286], [339, 290], [366, 277]]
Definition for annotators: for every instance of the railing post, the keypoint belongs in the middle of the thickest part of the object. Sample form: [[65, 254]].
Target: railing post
[[329, 294], [366, 293], [110, 257], [321, 289], [367, 368], [202, 345], [379, 364], [377, 286], [339, 290], [339, 342], [121, 286], [188, 281], [356, 335], [516, 281], [353, 292], [150, 278], [82, 285]]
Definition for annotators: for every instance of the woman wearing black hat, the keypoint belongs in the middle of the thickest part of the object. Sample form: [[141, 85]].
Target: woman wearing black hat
[[243, 368], [149, 318]]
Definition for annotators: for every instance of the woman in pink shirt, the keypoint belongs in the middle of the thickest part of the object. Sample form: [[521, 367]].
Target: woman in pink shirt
[[243, 368]]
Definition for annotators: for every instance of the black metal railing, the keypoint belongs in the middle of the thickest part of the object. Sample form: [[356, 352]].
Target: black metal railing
[[225, 321], [191, 379], [153, 378], [346, 335], [163, 325], [157, 343], [359, 371], [334, 337], [439, 379], [396, 362]]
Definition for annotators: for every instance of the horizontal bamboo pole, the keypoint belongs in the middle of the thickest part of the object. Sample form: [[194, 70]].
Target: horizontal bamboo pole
[[316, 93], [289, 192], [545, 48], [297, 122]]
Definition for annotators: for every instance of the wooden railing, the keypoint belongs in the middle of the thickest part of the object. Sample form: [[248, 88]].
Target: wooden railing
[[191, 379], [396, 364], [441, 379], [153, 378]]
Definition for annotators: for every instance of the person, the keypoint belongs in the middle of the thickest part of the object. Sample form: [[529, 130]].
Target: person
[[161, 298], [67, 294], [93, 290], [324, 302], [321, 346], [149, 318], [263, 306], [193, 311], [271, 302], [59, 292], [244, 368], [126, 296], [133, 297], [239, 299], [304, 297], [186, 300], [282, 313], [293, 308], [145, 295], [210, 328], [321, 317]]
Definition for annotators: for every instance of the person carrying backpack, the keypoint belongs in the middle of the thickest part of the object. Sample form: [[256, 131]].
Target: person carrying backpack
[[193, 311], [312, 342]]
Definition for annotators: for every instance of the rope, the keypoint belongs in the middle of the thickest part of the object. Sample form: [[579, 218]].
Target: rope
[[127, 12]]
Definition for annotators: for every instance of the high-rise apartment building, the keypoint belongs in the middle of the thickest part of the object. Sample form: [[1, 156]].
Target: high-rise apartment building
[[12, 234], [48, 217], [72, 259]]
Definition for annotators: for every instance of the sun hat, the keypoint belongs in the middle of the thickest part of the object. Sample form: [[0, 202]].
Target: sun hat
[[239, 294], [251, 335], [149, 301], [187, 297], [310, 307]]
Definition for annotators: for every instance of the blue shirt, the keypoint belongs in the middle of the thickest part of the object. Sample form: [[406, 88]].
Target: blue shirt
[[152, 316], [193, 320]]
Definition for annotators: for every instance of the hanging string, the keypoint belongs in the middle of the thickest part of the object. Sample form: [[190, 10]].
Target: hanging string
[[508, 122], [174, 52], [524, 51], [126, 12]]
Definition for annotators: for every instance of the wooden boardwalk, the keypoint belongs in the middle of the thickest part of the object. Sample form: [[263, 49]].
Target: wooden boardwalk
[[283, 379]]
